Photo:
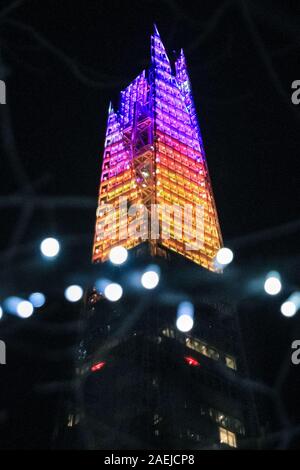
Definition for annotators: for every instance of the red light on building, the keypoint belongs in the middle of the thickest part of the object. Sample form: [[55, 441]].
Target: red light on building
[[97, 366], [191, 361]]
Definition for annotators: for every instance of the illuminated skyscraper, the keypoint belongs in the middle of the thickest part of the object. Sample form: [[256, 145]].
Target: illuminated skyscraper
[[151, 378], [154, 156]]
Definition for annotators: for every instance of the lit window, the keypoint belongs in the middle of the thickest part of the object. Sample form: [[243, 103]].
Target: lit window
[[70, 421], [169, 333], [227, 437], [202, 348], [230, 362], [226, 421], [156, 419]]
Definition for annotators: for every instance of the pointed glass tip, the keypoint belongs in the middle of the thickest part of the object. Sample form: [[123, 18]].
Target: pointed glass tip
[[156, 30], [110, 108], [182, 54]]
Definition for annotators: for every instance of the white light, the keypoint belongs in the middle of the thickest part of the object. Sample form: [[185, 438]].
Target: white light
[[50, 247], [73, 293], [184, 323], [272, 284], [288, 309], [224, 256], [37, 299], [118, 255], [24, 309], [291, 306], [185, 316], [113, 292], [150, 279], [1, 312]]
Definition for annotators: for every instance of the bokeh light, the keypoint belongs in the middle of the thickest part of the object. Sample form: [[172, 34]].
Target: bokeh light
[[73, 293], [224, 256], [150, 279], [118, 255], [25, 309], [272, 283], [185, 316], [50, 247], [113, 292], [37, 299]]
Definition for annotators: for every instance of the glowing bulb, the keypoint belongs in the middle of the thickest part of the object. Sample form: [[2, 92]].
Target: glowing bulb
[[1, 312], [113, 292], [37, 299], [24, 309], [118, 255], [50, 247], [150, 279], [73, 293], [272, 284], [224, 256], [288, 309]]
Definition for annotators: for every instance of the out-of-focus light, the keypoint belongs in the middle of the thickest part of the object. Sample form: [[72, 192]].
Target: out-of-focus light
[[118, 255], [25, 309], [50, 247], [191, 361], [113, 292], [150, 279], [291, 306], [37, 299], [224, 256], [272, 283], [184, 323], [185, 316], [73, 293], [11, 303], [1, 312], [288, 309], [100, 284], [97, 366]]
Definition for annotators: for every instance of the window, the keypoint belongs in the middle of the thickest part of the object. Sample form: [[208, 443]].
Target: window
[[227, 437], [230, 362], [70, 421], [157, 419], [169, 333], [202, 348]]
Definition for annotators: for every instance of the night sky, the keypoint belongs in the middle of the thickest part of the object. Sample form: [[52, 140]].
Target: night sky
[[63, 61]]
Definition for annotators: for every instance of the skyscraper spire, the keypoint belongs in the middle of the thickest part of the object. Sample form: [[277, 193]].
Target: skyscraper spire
[[156, 30], [154, 155], [159, 55]]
